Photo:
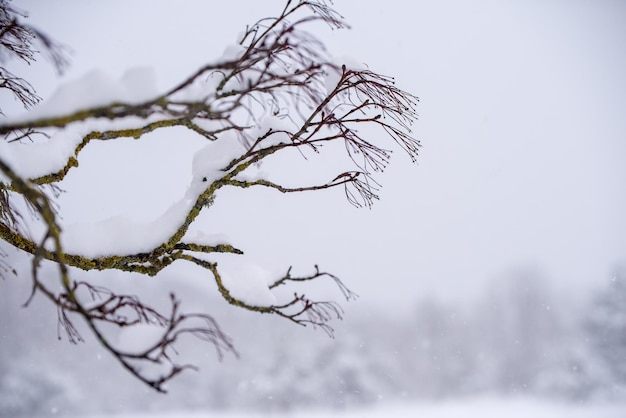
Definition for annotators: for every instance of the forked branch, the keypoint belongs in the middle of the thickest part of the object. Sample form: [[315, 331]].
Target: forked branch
[[278, 91]]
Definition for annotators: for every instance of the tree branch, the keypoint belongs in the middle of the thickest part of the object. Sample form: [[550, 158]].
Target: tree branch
[[271, 97]]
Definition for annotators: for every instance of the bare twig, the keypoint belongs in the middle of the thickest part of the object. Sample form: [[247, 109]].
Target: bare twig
[[273, 96]]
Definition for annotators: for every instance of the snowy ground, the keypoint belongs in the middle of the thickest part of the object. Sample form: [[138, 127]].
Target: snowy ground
[[483, 408]]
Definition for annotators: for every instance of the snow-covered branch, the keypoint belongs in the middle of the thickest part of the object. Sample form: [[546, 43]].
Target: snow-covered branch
[[276, 90]]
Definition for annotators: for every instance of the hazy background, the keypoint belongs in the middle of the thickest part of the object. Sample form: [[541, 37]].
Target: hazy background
[[520, 175], [521, 120]]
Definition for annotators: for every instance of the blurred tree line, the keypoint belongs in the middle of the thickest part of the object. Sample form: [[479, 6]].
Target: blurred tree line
[[518, 338]]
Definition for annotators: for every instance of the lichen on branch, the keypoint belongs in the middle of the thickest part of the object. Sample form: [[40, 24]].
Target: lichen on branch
[[277, 91]]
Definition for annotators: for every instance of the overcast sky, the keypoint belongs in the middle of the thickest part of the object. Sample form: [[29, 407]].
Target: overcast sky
[[522, 122]]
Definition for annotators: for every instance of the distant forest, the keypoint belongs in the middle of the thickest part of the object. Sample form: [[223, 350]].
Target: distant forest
[[518, 338]]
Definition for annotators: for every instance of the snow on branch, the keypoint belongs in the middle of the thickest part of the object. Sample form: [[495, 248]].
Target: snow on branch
[[277, 89]]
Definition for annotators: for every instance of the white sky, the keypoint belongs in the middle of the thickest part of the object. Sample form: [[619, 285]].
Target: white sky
[[522, 121]]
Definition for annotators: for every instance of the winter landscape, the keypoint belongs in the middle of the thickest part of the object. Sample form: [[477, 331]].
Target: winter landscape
[[489, 280]]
